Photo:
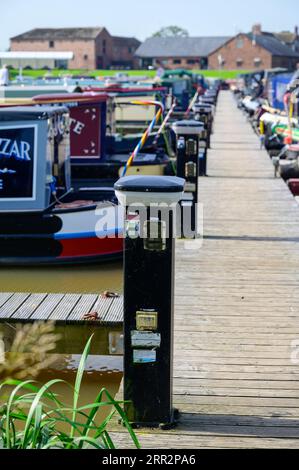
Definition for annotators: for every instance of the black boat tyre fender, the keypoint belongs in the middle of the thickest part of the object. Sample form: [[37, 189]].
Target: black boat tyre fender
[[289, 170]]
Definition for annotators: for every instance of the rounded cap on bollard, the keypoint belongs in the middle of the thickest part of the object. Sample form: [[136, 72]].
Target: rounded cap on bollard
[[207, 99], [147, 190], [188, 127], [206, 107]]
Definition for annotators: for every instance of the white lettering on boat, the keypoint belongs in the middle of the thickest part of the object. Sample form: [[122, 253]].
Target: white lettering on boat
[[20, 150], [78, 126]]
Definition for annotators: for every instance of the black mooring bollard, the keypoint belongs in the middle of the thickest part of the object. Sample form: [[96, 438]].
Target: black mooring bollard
[[204, 114], [188, 135], [148, 296]]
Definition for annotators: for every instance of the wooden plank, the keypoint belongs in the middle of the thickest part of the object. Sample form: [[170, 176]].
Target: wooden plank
[[102, 306], [64, 307], [239, 410], [234, 391], [28, 307], [12, 304], [170, 440], [115, 312], [4, 296], [241, 384], [46, 307], [85, 305], [189, 375]]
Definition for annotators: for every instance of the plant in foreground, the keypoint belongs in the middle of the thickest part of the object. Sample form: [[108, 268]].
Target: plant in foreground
[[32, 417], [31, 351]]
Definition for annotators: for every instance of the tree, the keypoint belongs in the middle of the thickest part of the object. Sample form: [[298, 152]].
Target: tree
[[171, 31]]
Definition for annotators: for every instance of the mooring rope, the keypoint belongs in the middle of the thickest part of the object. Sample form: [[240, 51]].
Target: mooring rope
[[147, 132], [192, 102]]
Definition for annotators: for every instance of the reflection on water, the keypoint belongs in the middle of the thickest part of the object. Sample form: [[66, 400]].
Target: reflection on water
[[92, 384], [72, 338], [81, 279], [101, 369], [100, 372]]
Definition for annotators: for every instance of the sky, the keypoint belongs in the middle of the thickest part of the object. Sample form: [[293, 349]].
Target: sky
[[141, 18]]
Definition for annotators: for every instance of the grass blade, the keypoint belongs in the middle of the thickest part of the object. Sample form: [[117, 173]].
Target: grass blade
[[35, 403], [78, 381]]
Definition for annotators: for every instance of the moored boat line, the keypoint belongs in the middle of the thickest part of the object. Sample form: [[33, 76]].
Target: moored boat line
[[59, 160]]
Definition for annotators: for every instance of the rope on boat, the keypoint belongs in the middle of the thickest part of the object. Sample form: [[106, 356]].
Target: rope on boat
[[192, 102], [161, 130], [164, 122], [147, 132]]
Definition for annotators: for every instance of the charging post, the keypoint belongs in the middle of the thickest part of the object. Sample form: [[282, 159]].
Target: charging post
[[188, 134], [150, 204]]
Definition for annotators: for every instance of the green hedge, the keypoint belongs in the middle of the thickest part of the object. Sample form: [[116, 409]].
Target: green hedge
[[224, 74]]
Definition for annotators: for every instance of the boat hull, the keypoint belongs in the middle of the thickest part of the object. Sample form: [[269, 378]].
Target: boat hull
[[87, 235]]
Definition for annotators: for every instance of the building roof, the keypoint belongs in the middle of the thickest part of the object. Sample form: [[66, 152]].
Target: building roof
[[37, 55], [180, 46], [268, 41], [273, 44], [59, 33], [121, 40]]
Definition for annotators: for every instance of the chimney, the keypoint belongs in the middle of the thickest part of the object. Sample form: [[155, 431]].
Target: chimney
[[296, 32], [257, 29]]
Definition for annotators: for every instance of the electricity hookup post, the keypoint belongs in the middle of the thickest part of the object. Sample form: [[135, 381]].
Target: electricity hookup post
[[204, 114], [149, 296], [188, 134]]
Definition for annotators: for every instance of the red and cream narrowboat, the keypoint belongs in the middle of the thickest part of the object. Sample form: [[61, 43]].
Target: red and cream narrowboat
[[43, 220]]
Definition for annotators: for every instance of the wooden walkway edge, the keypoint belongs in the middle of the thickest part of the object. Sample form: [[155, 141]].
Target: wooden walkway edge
[[237, 305], [24, 307]]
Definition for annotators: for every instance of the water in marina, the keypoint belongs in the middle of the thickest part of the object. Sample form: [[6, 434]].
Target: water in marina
[[93, 278], [102, 370]]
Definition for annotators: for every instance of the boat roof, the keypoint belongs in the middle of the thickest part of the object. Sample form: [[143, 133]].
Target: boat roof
[[30, 113], [177, 73], [86, 97], [122, 90]]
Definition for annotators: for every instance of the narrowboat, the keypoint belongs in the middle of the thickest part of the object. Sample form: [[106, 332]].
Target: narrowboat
[[123, 116], [43, 219], [99, 156]]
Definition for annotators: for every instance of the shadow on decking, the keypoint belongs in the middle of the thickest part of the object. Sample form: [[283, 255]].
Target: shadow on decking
[[246, 238], [234, 425], [239, 177]]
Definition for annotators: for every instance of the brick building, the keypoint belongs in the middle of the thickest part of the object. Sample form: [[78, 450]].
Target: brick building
[[178, 52], [255, 50], [124, 52], [92, 48]]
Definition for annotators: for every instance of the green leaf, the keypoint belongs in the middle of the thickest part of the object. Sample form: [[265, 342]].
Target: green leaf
[[35, 403], [78, 381], [8, 409], [37, 425]]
